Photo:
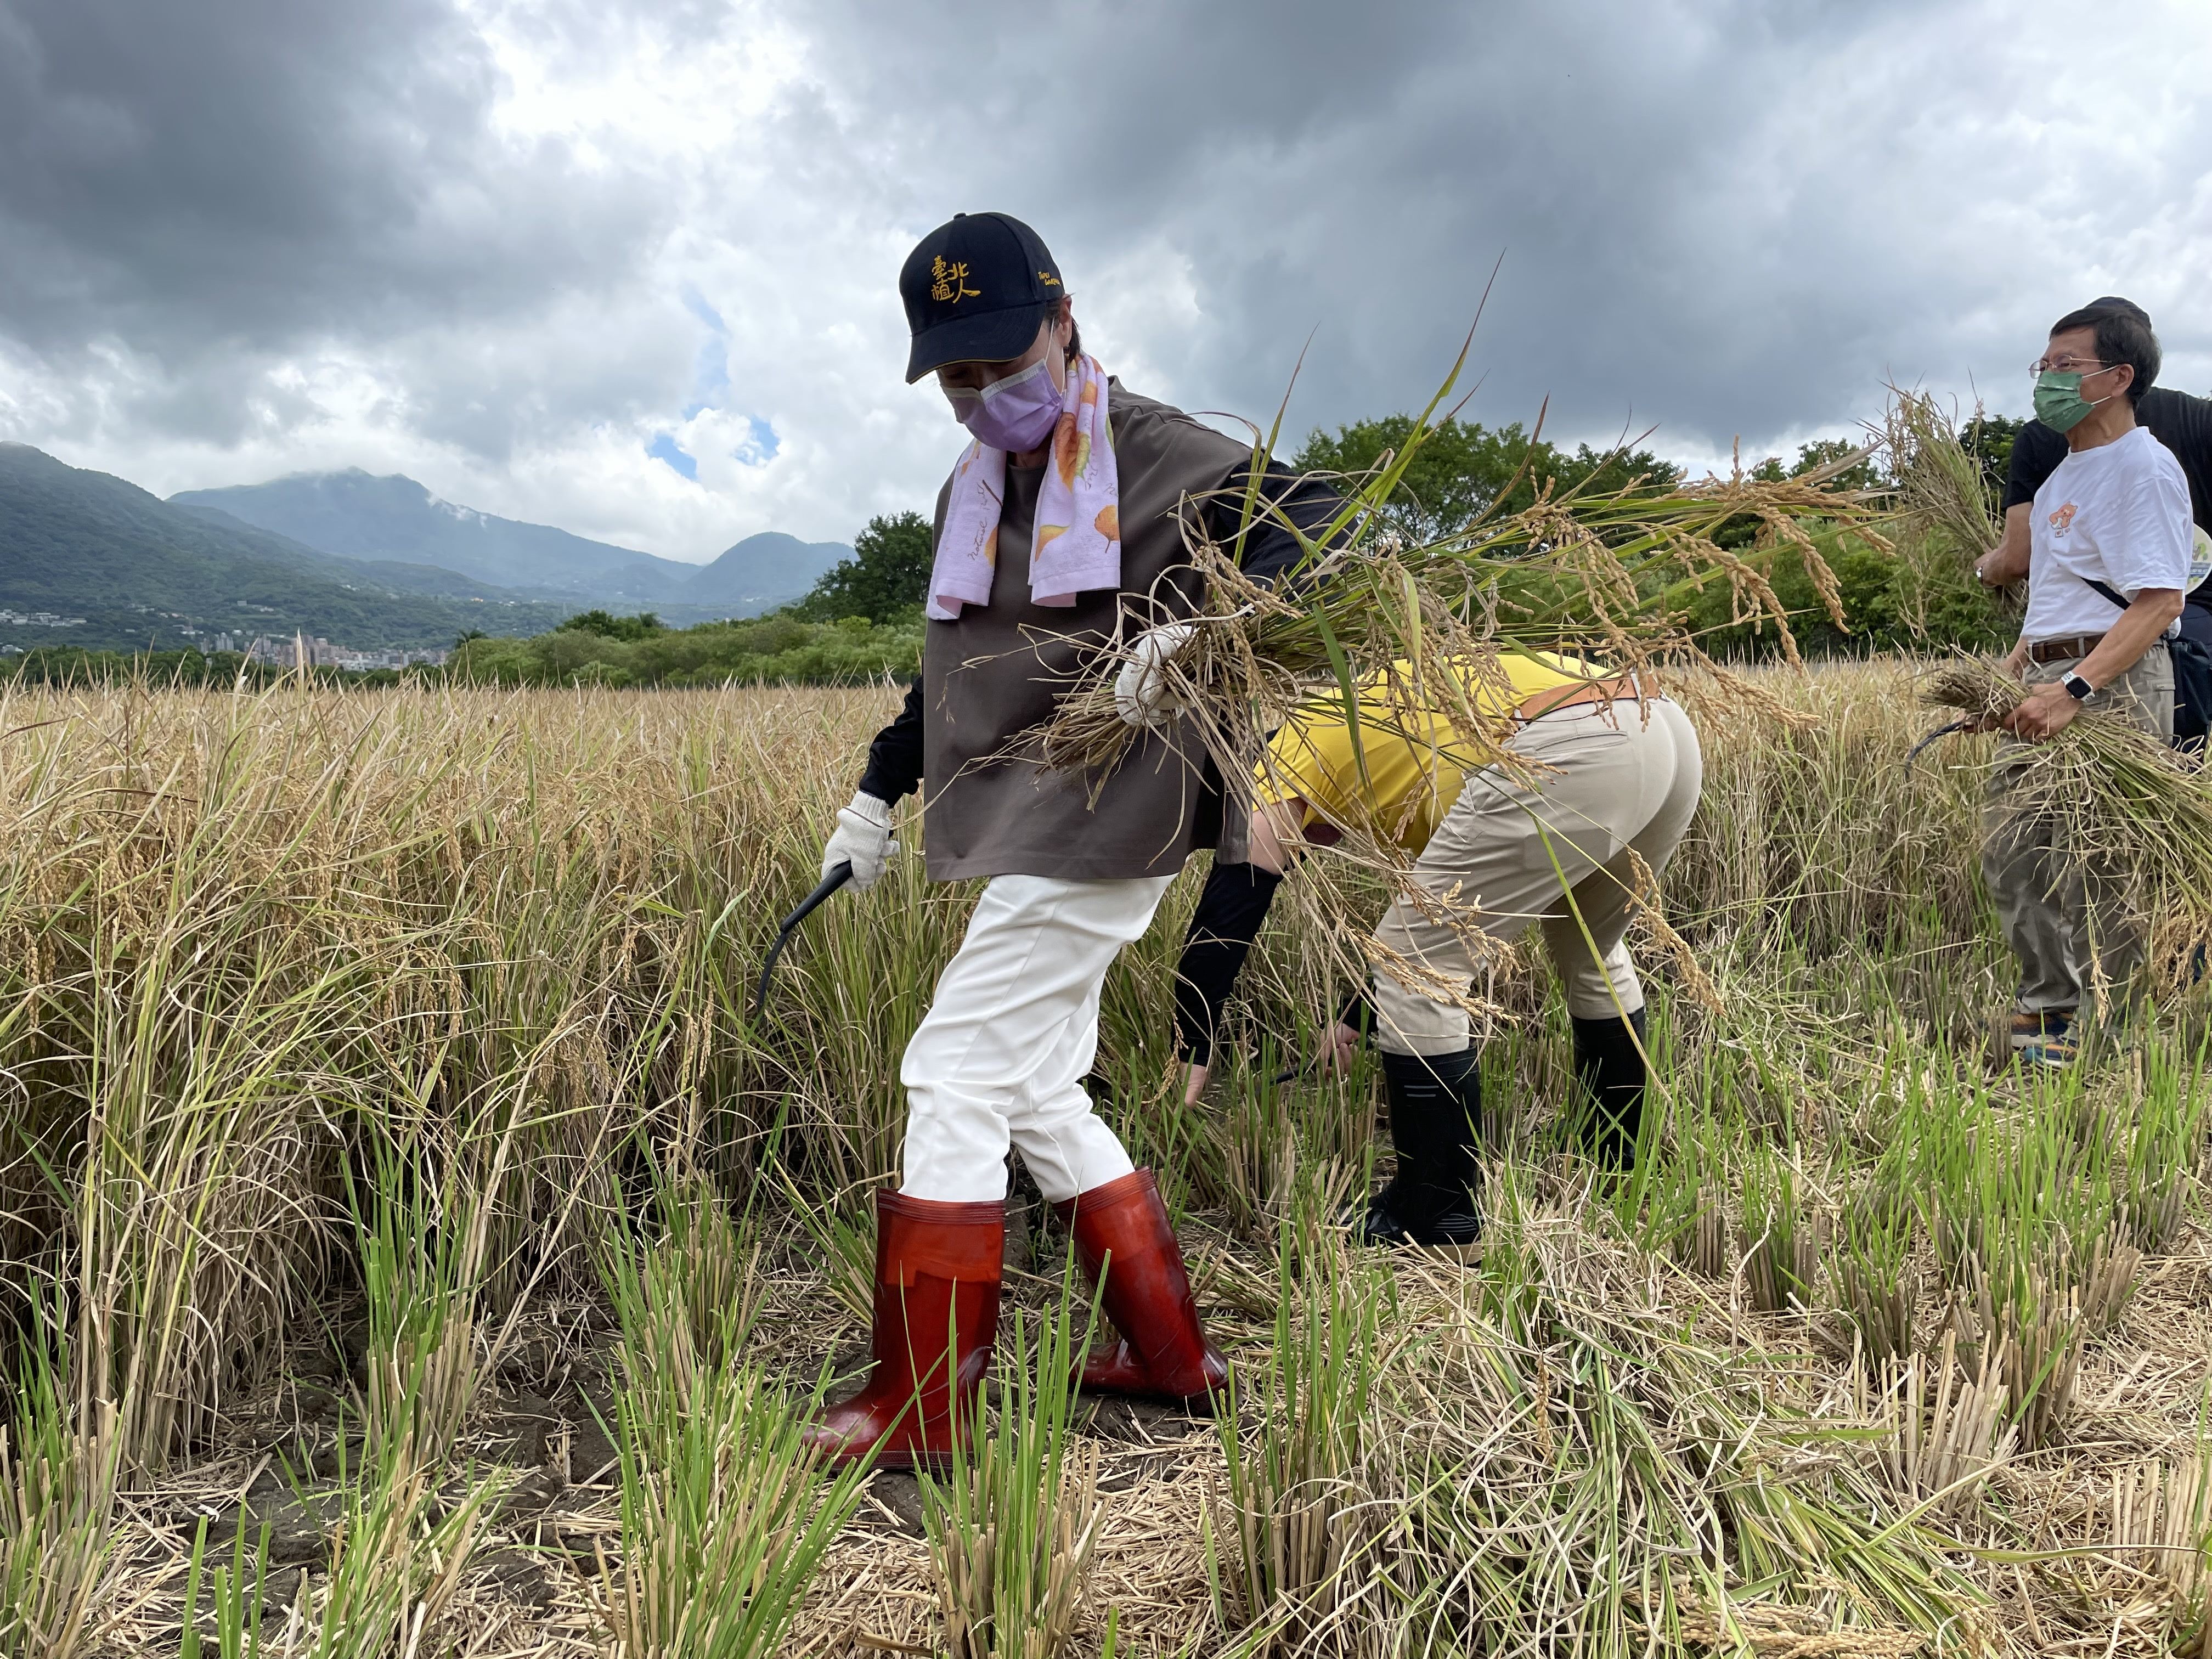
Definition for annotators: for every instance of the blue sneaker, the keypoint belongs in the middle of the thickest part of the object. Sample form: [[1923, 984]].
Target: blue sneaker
[[2045, 1039]]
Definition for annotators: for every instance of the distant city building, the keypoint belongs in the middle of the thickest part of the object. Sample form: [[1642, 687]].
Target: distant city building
[[313, 651]]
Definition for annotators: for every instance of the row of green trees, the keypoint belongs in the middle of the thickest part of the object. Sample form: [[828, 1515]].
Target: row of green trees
[[860, 621], [76, 664], [1921, 596], [636, 651]]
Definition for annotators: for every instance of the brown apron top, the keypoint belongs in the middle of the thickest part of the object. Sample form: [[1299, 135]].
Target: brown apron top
[[990, 679]]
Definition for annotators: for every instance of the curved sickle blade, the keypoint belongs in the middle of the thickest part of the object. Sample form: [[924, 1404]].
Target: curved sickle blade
[[839, 873], [1940, 731]]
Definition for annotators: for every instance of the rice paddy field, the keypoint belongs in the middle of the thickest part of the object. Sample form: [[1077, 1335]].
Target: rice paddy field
[[410, 1245]]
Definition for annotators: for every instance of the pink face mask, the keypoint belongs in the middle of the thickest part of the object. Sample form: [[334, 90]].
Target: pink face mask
[[1017, 414]]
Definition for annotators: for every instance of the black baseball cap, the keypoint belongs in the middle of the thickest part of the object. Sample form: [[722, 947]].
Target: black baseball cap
[[976, 288]]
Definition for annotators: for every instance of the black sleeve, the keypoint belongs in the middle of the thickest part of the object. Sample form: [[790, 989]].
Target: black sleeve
[[2036, 453], [2184, 424], [1222, 929], [1357, 1011], [895, 757], [1267, 550]]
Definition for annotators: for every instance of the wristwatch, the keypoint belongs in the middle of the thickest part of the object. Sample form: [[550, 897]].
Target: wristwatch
[[2078, 688]]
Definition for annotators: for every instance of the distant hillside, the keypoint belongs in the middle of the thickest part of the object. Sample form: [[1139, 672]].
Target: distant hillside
[[765, 569], [113, 567], [357, 516]]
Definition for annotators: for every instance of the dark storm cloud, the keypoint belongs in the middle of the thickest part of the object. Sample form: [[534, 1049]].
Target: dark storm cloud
[[202, 181], [1733, 218]]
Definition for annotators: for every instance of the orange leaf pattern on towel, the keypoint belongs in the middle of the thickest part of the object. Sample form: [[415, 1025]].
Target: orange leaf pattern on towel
[[1064, 448]]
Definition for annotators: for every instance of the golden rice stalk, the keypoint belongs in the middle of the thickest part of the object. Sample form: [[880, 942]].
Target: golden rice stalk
[[1940, 486], [1584, 569]]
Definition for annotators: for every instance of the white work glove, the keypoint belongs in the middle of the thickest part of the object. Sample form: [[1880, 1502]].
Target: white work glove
[[863, 838], [1140, 689]]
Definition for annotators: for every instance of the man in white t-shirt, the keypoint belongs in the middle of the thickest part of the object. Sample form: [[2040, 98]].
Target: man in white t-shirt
[[2108, 568]]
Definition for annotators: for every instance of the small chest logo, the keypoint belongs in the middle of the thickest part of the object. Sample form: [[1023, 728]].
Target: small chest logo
[[2063, 520], [950, 282]]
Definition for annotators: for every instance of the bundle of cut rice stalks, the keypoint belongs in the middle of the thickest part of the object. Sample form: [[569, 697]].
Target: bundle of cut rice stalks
[[1604, 575], [1366, 621], [2113, 788], [1941, 486], [1942, 513]]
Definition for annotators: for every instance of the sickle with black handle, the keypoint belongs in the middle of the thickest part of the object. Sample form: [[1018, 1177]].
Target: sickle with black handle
[[1940, 731], [839, 873]]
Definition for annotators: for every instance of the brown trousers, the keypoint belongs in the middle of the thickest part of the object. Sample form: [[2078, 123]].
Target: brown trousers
[[2068, 911]]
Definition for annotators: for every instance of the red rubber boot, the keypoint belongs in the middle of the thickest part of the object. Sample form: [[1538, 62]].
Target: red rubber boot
[[1121, 1231], [937, 1299]]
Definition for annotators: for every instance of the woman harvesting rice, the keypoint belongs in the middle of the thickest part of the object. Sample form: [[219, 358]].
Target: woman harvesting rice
[[1091, 489], [1610, 779]]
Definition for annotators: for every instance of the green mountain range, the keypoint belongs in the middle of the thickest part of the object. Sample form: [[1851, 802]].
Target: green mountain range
[[89, 559], [356, 515]]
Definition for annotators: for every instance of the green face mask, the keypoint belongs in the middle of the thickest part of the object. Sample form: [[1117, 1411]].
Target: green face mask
[[2059, 404]]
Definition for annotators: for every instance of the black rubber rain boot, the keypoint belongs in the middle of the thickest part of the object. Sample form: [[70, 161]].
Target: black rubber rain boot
[[1609, 1067], [1435, 1123]]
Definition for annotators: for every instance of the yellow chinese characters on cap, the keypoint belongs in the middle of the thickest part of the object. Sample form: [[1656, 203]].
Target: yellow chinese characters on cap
[[950, 282]]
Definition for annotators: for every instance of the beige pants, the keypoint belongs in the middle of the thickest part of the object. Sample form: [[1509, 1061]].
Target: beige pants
[[1553, 849], [2067, 913]]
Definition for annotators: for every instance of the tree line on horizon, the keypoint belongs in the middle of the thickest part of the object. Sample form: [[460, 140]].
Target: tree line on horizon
[[862, 621]]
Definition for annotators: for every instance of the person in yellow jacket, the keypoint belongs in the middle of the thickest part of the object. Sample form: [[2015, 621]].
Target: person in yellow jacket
[[1612, 777]]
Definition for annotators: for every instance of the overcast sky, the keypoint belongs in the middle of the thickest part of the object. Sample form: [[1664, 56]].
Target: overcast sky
[[629, 266]]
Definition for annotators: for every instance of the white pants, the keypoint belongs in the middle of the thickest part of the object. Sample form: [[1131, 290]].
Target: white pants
[[1555, 850], [1009, 1038]]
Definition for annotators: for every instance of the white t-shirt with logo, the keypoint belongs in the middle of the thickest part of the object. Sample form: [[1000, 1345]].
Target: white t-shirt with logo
[[2118, 514]]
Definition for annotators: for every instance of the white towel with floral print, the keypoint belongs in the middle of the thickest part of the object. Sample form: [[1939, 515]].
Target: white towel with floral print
[[1077, 544]]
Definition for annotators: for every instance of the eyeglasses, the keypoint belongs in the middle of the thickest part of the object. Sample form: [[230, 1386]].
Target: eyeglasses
[[2067, 365]]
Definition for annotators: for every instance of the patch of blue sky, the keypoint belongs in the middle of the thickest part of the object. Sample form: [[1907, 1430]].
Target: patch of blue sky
[[664, 449], [710, 371], [760, 444], [695, 303]]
